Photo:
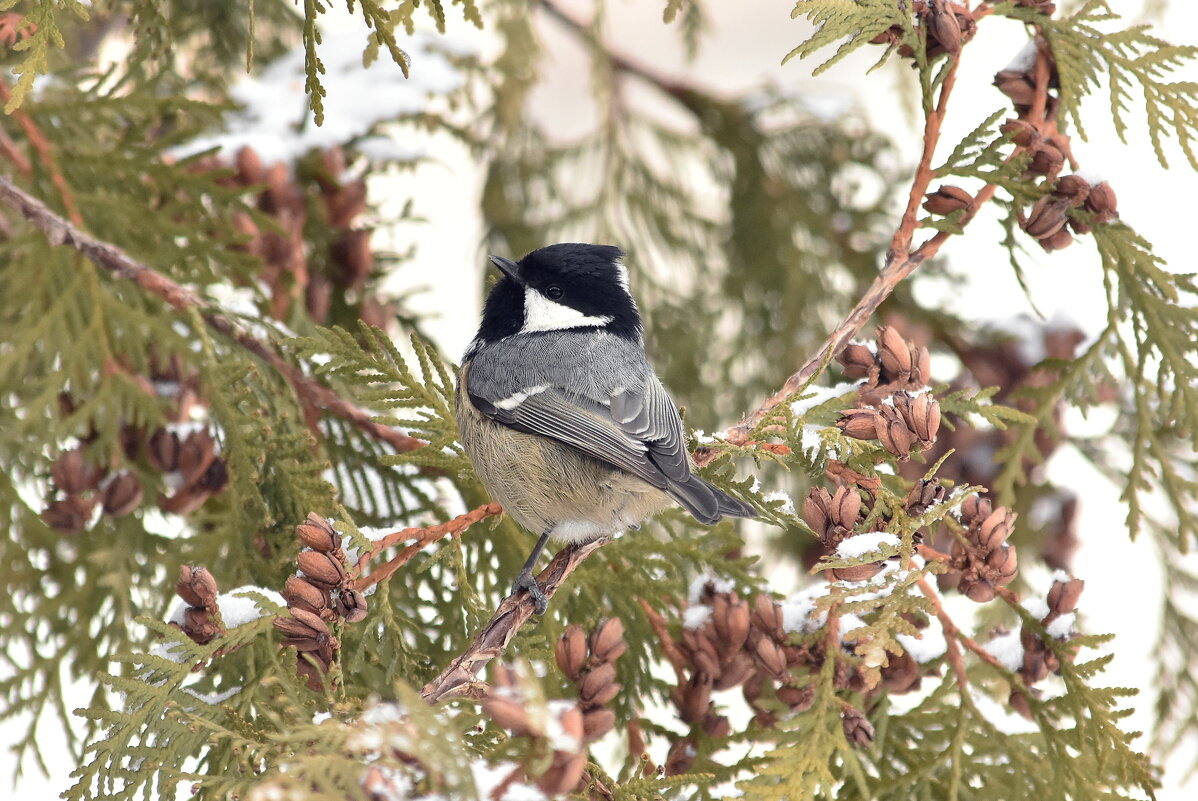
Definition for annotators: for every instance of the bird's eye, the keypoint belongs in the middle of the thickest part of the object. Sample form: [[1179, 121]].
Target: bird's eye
[[553, 292]]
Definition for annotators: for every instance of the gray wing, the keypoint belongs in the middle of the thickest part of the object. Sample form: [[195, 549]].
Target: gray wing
[[621, 416], [649, 415], [637, 432]]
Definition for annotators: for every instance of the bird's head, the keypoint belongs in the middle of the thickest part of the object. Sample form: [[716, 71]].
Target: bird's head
[[560, 287]]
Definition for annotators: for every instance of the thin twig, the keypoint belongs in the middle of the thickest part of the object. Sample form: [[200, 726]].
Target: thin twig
[[668, 646], [60, 232], [42, 145], [458, 679], [424, 538], [677, 89], [900, 263], [954, 635], [10, 151]]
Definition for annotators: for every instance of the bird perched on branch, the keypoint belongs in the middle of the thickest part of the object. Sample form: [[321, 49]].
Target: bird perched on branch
[[561, 413]]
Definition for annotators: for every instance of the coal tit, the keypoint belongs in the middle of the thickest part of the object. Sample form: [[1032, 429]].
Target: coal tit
[[560, 412]]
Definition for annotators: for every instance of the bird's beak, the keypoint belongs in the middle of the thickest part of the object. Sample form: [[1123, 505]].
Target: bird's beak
[[508, 268]]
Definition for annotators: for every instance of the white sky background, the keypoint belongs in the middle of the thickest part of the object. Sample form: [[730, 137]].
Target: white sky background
[[744, 49]]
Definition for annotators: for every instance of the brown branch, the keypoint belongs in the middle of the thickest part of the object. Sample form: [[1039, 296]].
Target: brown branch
[[10, 151], [60, 232], [931, 554], [954, 637], [424, 538], [668, 647], [677, 89], [45, 153], [458, 679]]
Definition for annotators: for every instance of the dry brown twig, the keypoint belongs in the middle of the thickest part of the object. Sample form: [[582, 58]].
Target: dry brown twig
[[44, 152], [424, 537], [458, 680], [59, 231]]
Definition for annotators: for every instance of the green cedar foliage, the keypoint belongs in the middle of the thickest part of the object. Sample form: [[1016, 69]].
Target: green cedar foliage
[[765, 272]]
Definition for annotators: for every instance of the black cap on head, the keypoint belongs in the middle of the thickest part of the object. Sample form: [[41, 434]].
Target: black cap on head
[[589, 280]]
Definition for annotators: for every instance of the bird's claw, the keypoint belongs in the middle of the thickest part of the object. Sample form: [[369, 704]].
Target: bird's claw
[[526, 581]]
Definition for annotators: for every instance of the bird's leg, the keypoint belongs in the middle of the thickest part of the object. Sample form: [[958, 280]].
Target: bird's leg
[[526, 581]]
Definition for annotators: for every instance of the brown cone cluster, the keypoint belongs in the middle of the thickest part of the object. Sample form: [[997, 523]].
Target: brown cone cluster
[[316, 193], [188, 463], [1051, 221], [857, 728], [886, 410], [745, 645], [1039, 660], [201, 618], [895, 364], [193, 458], [924, 494], [948, 25], [509, 709], [833, 517], [985, 561], [320, 595], [1000, 360], [590, 663]]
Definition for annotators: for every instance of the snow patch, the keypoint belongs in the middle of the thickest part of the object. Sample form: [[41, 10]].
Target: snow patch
[[1024, 60], [1007, 649], [788, 504], [696, 616], [867, 542], [237, 608], [928, 646], [695, 591], [275, 119], [818, 396]]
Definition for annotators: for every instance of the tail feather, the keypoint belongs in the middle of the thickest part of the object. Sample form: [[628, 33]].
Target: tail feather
[[707, 504]]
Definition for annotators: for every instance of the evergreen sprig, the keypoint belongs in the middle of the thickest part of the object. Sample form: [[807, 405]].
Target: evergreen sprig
[[856, 21], [1088, 56]]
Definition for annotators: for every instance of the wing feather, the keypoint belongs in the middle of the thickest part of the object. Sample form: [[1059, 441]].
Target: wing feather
[[637, 430]]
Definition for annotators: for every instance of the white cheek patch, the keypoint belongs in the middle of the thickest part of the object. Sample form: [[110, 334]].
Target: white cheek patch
[[542, 314], [516, 398], [622, 277]]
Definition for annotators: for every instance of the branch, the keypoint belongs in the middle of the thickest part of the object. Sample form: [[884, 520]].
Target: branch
[[424, 538], [900, 260], [677, 89], [60, 232], [42, 146], [458, 679], [954, 635]]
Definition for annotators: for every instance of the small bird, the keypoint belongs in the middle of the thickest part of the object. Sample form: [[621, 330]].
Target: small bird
[[560, 412]]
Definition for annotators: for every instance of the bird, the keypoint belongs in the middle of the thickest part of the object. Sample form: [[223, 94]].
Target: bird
[[560, 412]]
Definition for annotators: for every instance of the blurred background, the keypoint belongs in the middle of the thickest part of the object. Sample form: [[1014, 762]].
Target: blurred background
[[755, 203]]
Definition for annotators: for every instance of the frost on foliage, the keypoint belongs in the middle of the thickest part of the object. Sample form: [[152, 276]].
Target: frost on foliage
[[274, 119]]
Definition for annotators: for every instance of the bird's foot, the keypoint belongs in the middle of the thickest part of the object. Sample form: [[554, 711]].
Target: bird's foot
[[527, 581]]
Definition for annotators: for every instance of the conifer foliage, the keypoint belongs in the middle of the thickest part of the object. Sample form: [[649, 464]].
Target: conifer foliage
[[233, 500]]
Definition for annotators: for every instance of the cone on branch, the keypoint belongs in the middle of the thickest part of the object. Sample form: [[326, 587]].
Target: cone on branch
[[985, 560], [316, 533], [857, 728], [201, 619], [924, 494], [948, 199]]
